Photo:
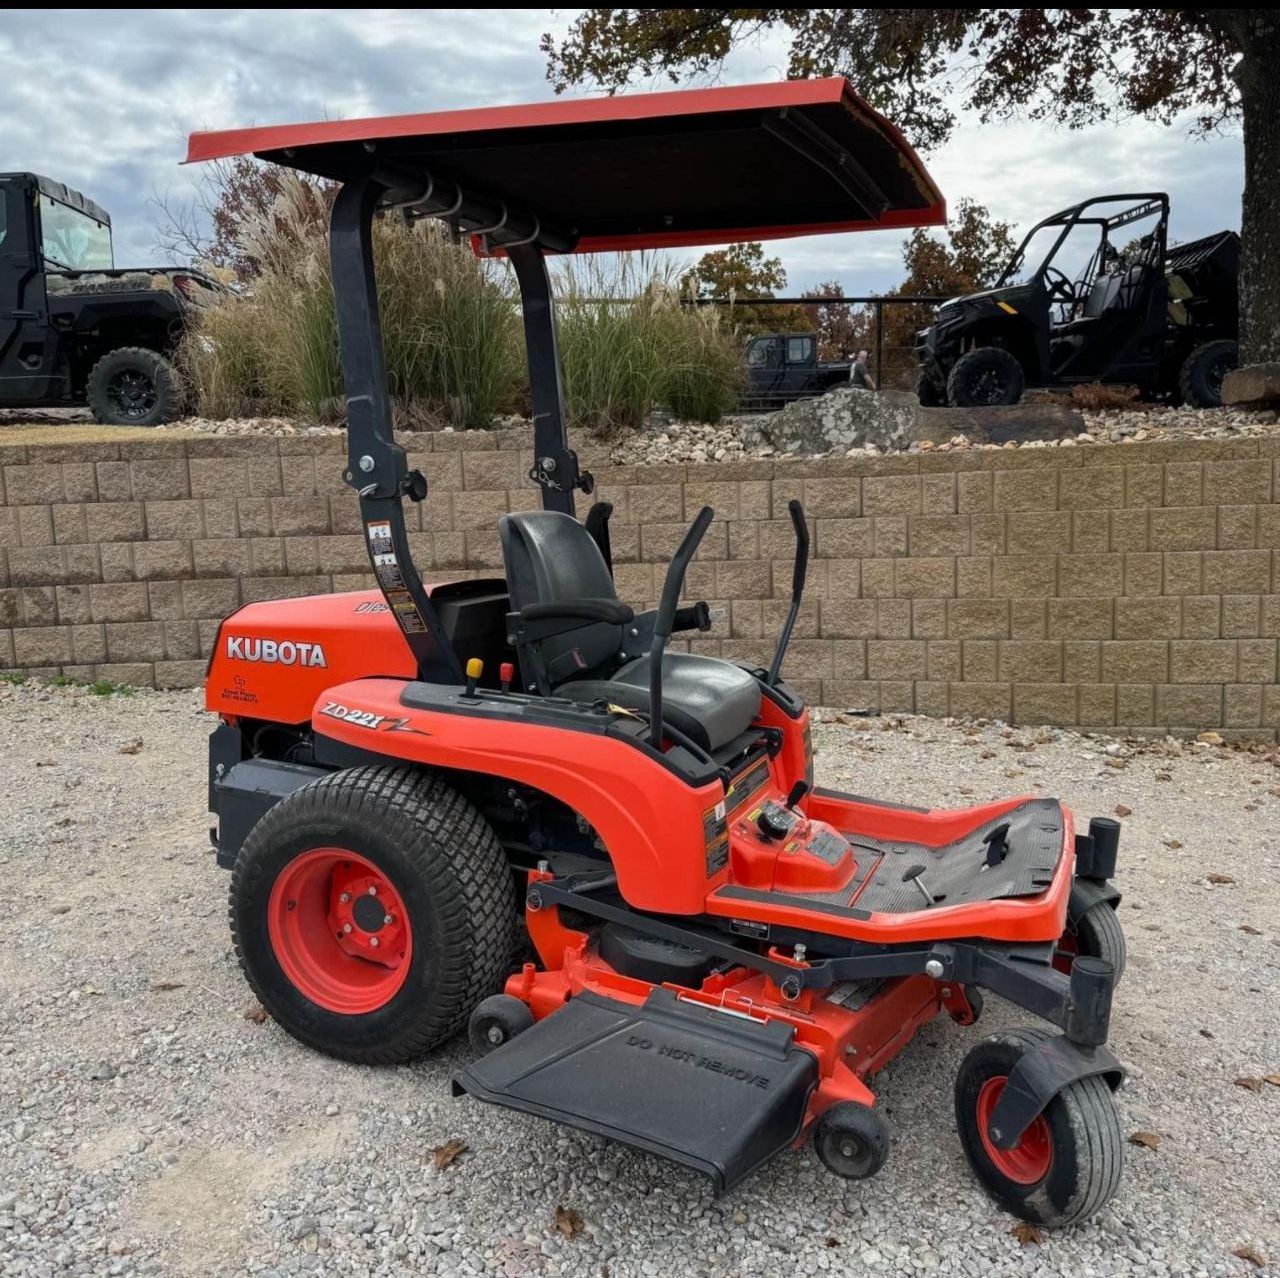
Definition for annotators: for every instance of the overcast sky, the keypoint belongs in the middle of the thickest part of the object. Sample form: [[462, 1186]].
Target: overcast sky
[[103, 99]]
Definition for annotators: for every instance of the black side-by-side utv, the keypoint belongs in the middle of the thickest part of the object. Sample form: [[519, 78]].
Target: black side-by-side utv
[[1136, 312], [74, 328]]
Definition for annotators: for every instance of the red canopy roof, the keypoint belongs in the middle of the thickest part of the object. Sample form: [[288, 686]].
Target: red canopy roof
[[649, 170]]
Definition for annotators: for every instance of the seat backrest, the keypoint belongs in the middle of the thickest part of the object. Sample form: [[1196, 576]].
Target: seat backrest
[[551, 558], [1103, 295]]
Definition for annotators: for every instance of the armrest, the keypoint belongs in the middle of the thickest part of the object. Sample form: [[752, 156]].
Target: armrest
[[694, 617], [613, 611]]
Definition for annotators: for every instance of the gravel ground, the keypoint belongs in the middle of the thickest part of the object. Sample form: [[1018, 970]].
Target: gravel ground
[[664, 440], [147, 1126]]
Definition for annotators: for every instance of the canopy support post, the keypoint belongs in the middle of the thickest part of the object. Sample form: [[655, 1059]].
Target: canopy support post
[[376, 465], [555, 464]]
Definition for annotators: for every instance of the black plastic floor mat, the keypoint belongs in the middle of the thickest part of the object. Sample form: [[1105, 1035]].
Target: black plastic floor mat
[[957, 873]]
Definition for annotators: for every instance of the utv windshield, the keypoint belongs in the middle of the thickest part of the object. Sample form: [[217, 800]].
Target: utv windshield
[[71, 240]]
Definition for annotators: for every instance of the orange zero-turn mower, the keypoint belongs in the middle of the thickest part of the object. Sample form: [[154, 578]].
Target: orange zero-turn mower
[[503, 804]]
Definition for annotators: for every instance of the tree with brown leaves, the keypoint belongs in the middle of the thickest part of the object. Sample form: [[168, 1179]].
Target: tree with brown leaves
[[1073, 67]]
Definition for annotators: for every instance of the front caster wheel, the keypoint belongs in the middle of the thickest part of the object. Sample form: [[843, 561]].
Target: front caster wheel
[[1094, 934], [852, 1140], [1067, 1163], [497, 1020]]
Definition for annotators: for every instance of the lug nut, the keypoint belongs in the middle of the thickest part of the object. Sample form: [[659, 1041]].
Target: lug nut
[[933, 968], [373, 889], [495, 1034], [345, 897], [387, 920], [346, 927], [373, 941]]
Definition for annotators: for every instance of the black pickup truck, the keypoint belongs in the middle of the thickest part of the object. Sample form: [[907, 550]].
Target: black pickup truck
[[782, 367], [74, 329]]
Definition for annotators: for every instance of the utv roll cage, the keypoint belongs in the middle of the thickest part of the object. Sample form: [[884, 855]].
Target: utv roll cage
[[660, 170], [1139, 207]]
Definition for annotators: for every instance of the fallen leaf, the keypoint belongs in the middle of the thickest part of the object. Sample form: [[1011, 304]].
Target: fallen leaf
[[444, 1155], [1251, 1254], [1253, 1084], [1175, 844], [168, 985], [48, 763], [568, 1220], [134, 747], [1026, 1233], [1210, 738], [833, 1242], [1219, 878], [1149, 1140], [1273, 1079], [1206, 1033], [1122, 811], [256, 1013], [987, 754], [1249, 931], [1115, 763], [92, 989]]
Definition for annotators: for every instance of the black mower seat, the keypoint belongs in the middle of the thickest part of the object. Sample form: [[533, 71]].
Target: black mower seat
[[709, 700], [551, 558]]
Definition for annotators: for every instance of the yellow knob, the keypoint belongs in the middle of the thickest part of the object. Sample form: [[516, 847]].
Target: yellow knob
[[475, 668]]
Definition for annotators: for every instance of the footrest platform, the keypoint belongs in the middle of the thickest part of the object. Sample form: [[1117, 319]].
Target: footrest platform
[[717, 1092]]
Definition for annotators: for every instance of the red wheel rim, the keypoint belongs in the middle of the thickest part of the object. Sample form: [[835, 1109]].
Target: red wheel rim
[[1028, 1162], [340, 931], [1064, 953]]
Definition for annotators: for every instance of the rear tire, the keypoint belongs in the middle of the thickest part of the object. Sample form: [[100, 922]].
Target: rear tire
[[985, 378], [1068, 1162], [133, 386], [1200, 380], [335, 850]]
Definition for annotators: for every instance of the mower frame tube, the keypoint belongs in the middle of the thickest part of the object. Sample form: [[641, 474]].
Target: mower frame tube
[[666, 618], [798, 571], [376, 465], [1024, 974]]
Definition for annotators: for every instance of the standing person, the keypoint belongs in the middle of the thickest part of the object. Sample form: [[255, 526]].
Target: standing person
[[858, 374]]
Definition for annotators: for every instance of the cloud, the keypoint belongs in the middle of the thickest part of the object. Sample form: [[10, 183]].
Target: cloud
[[103, 98]]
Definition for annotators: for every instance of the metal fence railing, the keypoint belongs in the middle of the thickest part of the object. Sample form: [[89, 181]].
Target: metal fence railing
[[883, 326]]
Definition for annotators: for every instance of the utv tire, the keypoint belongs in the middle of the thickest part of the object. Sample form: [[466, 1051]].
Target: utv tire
[[928, 393], [1067, 1164], [985, 378], [1094, 934], [371, 912], [1200, 381], [132, 386]]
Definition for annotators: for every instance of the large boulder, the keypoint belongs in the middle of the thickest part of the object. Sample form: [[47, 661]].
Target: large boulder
[[892, 420], [1254, 386]]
